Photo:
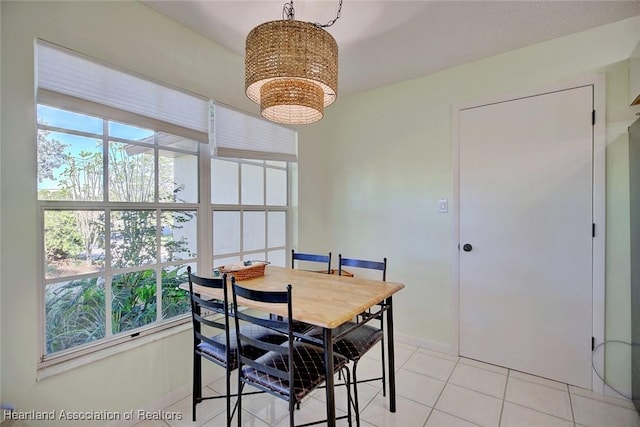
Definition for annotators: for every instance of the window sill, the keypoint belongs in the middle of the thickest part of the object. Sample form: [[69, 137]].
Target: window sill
[[52, 368]]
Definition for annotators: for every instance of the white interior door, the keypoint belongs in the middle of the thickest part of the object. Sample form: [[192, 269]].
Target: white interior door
[[526, 211]]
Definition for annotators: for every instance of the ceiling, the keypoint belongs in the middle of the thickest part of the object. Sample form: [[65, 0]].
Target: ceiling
[[382, 42]]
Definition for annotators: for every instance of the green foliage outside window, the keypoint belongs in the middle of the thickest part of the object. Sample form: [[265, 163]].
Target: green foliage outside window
[[76, 314]]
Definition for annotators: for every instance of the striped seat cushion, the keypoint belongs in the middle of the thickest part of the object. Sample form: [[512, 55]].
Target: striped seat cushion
[[217, 351], [308, 371], [356, 343]]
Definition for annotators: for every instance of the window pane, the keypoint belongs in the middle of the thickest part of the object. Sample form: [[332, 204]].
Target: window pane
[[75, 313], [276, 187], [131, 173], [134, 300], [226, 232], [278, 258], [219, 262], [73, 242], [133, 133], [133, 238], [69, 167], [256, 256], [179, 235], [224, 182], [252, 185], [175, 301], [277, 229], [178, 180], [68, 120], [175, 141], [253, 231]]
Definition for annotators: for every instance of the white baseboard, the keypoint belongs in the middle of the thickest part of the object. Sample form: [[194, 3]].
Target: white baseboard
[[158, 407], [426, 344]]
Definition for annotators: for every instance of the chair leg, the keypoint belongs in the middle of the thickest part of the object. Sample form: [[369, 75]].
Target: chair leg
[[197, 389], [384, 376], [384, 370], [292, 410], [239, 401], [348, 385], [355, 393], [228, 385]]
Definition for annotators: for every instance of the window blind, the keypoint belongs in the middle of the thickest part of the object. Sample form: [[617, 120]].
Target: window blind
[[241, 135], [66, 78]]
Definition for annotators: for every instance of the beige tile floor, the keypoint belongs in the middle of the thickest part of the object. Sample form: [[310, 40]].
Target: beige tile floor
[[434, 390]]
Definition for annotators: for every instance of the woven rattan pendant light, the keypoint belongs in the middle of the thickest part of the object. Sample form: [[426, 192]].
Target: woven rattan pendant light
[[291, 69]]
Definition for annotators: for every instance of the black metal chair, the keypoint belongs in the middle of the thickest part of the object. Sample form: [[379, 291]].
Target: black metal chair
[[289, 371], [301, 327], [324, 259], [220, 348], [358, 340]]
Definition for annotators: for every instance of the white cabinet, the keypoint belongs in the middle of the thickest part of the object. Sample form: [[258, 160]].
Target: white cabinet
[[634, 76]]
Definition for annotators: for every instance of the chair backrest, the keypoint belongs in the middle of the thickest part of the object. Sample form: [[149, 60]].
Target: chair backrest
[[326, 259], [201, 307], [360, 263], [276, 323]]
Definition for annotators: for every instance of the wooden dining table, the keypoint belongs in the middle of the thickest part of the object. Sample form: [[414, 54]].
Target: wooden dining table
[[327, 301]]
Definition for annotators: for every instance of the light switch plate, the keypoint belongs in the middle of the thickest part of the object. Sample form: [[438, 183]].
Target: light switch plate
[[443, 205]]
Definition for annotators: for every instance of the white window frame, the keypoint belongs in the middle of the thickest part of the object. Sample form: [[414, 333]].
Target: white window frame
[[66, 97], [242, 254], [106, 206]]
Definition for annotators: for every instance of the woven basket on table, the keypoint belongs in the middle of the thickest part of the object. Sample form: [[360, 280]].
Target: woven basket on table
[[255, 269]]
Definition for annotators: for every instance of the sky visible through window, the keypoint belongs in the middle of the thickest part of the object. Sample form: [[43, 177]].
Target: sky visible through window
[[74, 144]]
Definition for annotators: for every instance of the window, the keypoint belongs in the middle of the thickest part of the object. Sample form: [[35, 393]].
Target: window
[[120, 215], [249, 196], [125, 166], [249, 210]]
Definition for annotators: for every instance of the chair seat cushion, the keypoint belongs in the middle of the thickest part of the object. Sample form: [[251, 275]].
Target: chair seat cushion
[[308, 370], [296, 325], [217, 350], [354, 344], [301, 327]]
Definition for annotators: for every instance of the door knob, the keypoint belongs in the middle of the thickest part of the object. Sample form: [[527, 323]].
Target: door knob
[[467, 247]]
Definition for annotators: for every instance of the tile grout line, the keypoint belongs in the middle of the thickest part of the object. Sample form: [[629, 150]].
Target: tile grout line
[[440, 395], [540, 410], [479, 364], [603, 400], [480, 392], [544, 413], [573, 414], [504, 397], [433, 408], [530, 381]]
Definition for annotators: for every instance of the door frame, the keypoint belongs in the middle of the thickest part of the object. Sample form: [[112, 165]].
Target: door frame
[[599, 208]]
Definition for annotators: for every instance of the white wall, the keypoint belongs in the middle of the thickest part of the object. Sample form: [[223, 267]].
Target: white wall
[[389, 160], [133, 36]]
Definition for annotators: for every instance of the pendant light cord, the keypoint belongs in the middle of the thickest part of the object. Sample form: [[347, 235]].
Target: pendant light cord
[[288, 12], [602, 377]]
